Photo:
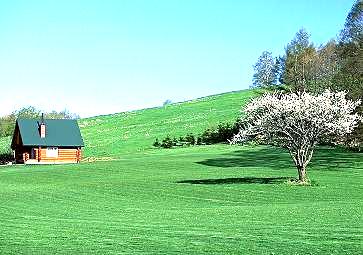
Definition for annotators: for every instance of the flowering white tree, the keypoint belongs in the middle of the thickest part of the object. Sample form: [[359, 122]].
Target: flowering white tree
[[265, 70], [298, 122]]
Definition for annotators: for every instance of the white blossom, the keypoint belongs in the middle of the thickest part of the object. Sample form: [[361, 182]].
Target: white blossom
[[298, 121], [265, 70]]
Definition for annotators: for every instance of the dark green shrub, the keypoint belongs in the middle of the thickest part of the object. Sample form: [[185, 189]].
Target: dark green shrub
[[190, 139], [177, 142], [167, 143], [220, 134], [199, 141], [6, 157], [157, 143]]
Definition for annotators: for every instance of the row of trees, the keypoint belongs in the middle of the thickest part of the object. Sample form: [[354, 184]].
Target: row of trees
[[7, 123], [336, 65], [305, 67]]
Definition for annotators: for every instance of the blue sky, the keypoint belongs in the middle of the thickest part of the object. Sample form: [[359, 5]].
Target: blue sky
[[100, 57]]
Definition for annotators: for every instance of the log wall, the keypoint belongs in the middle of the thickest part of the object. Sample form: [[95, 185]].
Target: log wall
[[64, 155]]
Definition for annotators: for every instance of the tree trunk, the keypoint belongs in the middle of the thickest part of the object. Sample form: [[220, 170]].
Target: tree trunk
[[302, 157], [302, 173]]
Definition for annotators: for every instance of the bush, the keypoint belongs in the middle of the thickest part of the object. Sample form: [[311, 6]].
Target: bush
[[6, 157], [220, 134], [157, 143], [354, 144], [167, 143], [176, 142], [354, 141], [199, 141], [190, 139]]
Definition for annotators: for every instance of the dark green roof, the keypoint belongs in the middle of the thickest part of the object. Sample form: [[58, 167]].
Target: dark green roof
[[58, 133]]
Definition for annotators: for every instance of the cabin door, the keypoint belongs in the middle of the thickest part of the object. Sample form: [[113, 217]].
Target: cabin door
[[32, 153]]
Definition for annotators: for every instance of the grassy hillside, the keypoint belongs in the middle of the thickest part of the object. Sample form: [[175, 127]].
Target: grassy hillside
[[202, 200], [217, 199], [129, 132]]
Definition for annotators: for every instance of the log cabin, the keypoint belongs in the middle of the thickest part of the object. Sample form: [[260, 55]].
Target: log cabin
[[47, 141]]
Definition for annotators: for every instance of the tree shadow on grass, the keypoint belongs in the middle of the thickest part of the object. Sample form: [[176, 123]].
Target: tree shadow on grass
[[242, 180], [335, 159], [324, 158], [267, 156]]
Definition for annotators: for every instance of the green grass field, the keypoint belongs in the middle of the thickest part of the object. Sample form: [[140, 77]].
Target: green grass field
[[130, 132], [201, 200], [217, 199]]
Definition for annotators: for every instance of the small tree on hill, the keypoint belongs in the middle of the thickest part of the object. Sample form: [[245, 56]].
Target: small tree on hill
[[265, 71], [298, 122], [167, 102]]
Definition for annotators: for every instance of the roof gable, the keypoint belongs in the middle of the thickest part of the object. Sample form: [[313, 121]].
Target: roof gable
[[58, 133]]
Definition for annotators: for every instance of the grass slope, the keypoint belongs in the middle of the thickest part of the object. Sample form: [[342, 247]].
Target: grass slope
[[199, 200], [202, 200], [129, 132], [122, 133]]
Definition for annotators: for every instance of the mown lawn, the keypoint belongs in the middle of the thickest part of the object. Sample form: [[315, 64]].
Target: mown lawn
[[202, 200]]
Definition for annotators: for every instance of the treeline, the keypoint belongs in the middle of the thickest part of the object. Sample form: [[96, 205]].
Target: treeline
[[7, 123], [336, 65], [219, 134]]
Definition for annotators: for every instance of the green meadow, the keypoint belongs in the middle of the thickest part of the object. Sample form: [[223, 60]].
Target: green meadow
[[128, 132], [130, 198]]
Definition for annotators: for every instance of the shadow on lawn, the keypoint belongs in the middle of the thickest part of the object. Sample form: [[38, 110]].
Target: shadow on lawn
[[242, 180], [324, 158], [271, 157]]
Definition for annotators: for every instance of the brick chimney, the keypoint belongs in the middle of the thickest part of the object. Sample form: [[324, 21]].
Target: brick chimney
[[42, 127]]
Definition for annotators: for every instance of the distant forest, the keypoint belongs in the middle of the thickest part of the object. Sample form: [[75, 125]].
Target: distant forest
[[7, 123]]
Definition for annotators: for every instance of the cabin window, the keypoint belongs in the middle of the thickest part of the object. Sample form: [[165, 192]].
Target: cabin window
[[52, 152]]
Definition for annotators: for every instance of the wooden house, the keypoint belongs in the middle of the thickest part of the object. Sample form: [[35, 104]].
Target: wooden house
[[47, 141]]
